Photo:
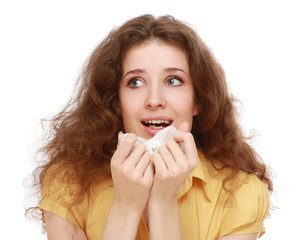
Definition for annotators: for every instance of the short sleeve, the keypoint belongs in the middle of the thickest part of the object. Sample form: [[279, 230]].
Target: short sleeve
[[57, 198], [249, 208]]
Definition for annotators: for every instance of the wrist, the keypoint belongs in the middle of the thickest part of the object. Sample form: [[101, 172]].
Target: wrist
[[158, 198], [166, 204], [122, 222], [128, 210], [164, 219]]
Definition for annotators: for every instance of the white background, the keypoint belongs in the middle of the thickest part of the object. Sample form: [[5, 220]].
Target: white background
[[261, 45]]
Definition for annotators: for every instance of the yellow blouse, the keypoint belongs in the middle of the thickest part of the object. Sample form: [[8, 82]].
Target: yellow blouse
[[207, 211]]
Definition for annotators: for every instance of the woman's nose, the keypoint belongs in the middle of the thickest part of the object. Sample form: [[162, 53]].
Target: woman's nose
[[155, 98]]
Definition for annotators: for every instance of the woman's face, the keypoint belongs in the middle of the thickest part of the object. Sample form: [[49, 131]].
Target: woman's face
[[156, 89]]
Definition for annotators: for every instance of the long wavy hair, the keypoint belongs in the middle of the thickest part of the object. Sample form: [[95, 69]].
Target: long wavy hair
[[83, 136]]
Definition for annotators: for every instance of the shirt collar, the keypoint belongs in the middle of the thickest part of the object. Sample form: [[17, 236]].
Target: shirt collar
[[203, 172]]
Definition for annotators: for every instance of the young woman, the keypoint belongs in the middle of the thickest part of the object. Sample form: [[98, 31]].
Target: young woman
[[205, 183]]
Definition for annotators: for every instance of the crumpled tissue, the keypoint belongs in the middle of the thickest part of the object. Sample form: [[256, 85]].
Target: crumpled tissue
[[160, 139]]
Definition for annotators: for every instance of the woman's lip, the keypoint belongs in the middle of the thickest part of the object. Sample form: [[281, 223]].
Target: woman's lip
[[153, 131], [157, 117]]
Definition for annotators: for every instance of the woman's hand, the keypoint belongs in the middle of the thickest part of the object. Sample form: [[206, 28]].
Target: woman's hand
[[132, 174], [173, 165]]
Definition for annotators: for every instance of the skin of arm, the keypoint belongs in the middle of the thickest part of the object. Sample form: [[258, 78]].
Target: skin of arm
[[121, 223], [164, 220], [60, 228]]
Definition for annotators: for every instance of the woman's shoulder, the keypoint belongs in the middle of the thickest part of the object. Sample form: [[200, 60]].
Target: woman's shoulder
[[58, 184], [65, 180], [232, 182], [243, 202], [62, 195], [246, 208]]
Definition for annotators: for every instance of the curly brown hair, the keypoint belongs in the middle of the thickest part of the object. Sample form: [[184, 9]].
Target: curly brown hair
[[83, 137]]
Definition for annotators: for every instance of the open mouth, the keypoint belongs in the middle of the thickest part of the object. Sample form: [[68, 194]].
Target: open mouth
[[157, 124]]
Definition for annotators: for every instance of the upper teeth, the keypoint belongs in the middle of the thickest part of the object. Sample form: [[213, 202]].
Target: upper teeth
[[157, 122]]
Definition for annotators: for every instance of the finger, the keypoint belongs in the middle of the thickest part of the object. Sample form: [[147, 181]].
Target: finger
[[167, 157], [174, 149], [135, 155], [143, 162], [188, 144], [158, 163], [120, 137], [124, 148]]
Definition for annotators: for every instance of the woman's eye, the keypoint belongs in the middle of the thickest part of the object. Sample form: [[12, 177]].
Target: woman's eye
[[134, 83], [174, 81]]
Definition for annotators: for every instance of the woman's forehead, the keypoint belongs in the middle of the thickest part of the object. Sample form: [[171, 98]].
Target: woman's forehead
[[155, 54]]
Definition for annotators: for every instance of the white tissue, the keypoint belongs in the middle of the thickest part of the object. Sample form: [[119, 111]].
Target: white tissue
[[160, 139]]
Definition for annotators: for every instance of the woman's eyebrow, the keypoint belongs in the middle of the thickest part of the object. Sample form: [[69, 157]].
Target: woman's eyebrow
[[134, 71], [174, 69]]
